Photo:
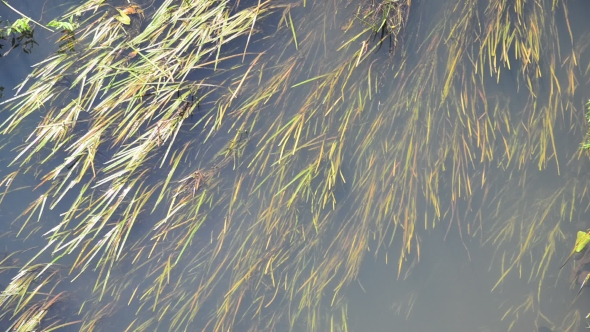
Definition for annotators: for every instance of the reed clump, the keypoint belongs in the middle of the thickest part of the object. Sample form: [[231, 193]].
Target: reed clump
[[264, 172], [387, 19]]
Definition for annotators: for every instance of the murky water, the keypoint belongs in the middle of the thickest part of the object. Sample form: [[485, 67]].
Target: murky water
[[452, 285], [450, 289]]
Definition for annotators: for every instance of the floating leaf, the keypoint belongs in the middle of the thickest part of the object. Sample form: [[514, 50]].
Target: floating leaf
[[132, 9], [123, 18], [582, 240]]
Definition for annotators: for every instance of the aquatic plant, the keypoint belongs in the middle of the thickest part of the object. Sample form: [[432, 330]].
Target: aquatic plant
[[223, 187]]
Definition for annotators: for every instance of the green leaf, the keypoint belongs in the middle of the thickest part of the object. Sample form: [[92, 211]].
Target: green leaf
[[123, 18], [582, 240], [61, 25]]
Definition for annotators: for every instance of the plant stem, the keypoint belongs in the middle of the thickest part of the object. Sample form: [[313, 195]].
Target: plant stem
[[25, 16]]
